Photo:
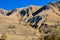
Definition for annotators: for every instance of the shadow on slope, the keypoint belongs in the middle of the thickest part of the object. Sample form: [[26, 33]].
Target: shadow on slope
[[33, 21]]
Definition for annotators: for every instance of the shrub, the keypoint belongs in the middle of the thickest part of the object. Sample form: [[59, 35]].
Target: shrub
[[4, 36], [53, 35], [12, 26]]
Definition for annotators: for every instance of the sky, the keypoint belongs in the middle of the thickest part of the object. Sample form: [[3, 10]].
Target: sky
[[12, 4]]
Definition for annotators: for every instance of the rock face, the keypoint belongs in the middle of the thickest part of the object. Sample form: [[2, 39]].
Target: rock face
[[35, 16]]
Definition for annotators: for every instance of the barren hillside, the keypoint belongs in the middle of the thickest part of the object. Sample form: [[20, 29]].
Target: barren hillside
[[30, 23]]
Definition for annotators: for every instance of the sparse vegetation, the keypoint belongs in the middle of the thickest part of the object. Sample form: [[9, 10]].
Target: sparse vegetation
[[12, 26], [4, 36], [52, 37], [31, 23], [54, 34]]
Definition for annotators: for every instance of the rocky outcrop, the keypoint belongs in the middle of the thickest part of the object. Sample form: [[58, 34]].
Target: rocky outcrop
[[36, 15]]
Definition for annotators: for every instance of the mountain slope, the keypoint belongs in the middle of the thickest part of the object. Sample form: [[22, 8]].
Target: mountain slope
[[30, 21]]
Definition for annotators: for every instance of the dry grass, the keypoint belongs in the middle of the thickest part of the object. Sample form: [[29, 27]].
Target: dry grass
[[10, 25]]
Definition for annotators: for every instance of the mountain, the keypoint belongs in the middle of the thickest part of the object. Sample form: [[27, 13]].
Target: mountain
[[31, 19]]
